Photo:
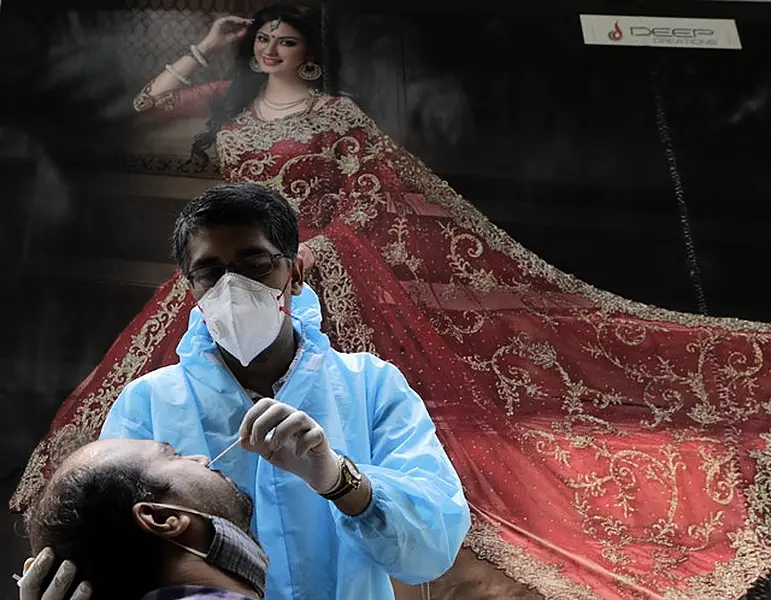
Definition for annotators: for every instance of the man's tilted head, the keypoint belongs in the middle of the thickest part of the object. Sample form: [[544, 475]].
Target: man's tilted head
[[111, 508]]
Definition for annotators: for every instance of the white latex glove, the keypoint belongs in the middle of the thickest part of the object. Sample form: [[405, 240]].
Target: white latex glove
[[297, 444], [35, 572]]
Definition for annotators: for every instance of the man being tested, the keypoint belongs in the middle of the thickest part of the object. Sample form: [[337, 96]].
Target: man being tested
[[142, 523]]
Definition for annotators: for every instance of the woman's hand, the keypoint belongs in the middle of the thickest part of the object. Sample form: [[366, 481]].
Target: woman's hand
[[224, 32]]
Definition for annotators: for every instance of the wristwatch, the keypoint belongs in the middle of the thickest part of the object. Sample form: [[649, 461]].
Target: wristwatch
[[350, 479]]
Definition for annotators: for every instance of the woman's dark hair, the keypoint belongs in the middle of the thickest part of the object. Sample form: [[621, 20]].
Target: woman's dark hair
[[85, 515], [246, 84]]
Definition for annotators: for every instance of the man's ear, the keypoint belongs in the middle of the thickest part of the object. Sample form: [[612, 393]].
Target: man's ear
[[298, 275], [160, 521]]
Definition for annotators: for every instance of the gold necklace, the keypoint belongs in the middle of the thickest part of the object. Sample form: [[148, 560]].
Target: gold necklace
[[284, 105]]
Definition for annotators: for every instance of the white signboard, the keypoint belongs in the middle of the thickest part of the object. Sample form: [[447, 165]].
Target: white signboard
[[668, 32]]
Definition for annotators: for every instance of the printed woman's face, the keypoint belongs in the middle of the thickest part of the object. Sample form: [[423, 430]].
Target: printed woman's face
[[279, 48]]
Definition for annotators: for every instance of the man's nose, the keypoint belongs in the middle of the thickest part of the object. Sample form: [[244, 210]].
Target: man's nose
[[199, 458]]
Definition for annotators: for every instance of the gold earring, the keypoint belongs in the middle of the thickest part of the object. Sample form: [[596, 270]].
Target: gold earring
[[254, 65], [309, 71]]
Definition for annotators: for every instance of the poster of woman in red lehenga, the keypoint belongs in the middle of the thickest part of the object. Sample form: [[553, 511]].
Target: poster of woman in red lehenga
[[608, 448]]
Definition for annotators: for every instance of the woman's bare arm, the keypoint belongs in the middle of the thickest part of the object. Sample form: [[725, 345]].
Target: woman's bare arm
[[224, 32]]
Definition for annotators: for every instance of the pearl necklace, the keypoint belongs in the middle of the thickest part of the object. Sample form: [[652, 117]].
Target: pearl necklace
[[308, 100]]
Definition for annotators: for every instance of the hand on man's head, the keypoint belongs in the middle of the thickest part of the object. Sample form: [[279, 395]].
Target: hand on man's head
[[37, 571]]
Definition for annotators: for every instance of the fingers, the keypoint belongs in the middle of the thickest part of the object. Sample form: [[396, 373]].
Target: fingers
[[312, 439], [231, 20], [61, 583], [254, 413], [37, 572], [236, 35], [265, 423], [295, 425], [82, 592], [27, 564], [261, 419], [270, 424], [29, 585]]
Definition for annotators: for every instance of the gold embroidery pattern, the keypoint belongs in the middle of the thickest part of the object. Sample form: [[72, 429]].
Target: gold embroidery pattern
[[398, 253], [524, 367], [732, 381], [144, 101], [479, 279], [619, 474], [248, 135], [625, 469], [340, 301], [758, 495], [468, 323], [464, 214], [92, 411], [728, 580], [548, 579], [512, 380]]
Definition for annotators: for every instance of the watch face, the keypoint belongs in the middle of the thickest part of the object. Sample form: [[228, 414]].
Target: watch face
[[351, 468]]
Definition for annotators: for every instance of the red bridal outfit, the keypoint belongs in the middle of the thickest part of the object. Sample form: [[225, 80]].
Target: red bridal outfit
[[608, 449]]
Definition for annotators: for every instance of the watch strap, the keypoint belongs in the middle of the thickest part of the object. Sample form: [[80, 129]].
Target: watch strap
[[347, 484]]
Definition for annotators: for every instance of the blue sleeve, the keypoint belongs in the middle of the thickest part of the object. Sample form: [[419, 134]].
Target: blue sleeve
[[130, 416], [418, 516]]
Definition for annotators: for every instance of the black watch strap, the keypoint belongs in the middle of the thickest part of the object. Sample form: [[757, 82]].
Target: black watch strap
[[338, 492]]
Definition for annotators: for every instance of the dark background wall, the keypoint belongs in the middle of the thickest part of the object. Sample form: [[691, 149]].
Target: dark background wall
[[556, 142]]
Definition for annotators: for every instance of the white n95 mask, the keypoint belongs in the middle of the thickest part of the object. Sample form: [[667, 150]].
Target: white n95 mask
[[243, 316]]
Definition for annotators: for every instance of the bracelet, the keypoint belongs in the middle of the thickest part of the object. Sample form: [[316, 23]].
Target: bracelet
[[198, 56], [178, 75]]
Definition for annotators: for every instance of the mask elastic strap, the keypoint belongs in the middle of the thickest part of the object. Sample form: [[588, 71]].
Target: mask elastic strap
[[282, 308], [197, 553], [192, 511]]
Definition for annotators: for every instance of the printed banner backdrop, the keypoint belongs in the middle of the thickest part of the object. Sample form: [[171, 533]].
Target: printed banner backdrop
[[609, 448]]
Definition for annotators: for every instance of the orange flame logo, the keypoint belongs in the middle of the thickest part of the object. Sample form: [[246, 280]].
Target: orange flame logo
[[616, 34]]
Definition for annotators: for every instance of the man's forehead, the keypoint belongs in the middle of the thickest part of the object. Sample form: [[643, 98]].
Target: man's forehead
[[254, 230], [229, 238]]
